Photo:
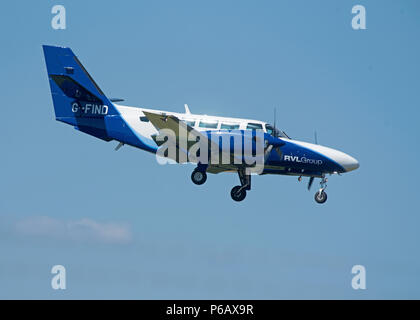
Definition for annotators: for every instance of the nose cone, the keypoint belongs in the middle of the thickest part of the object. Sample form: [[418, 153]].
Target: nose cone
[[347, 162]]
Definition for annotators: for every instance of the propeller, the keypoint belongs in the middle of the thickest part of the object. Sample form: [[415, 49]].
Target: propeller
[[270, 147], [267, 152], [311, 179], [275, 118]]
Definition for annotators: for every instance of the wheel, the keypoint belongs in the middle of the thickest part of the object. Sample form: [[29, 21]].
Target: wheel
[[238, 194], [198, 177], [321, 197]]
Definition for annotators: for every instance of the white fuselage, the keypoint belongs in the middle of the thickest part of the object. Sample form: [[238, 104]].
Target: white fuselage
[[136, 119]]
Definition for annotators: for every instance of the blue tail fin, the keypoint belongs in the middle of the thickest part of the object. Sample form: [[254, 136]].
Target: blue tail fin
[[77, 98]]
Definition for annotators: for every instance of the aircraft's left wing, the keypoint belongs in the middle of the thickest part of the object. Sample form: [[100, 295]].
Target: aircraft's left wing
[[184, 140], [215, 169]]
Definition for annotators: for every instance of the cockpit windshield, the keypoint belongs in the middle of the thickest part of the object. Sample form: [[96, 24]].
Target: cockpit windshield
[[275, 132]]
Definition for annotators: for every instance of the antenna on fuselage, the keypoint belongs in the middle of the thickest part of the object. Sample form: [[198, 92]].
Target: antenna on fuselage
[[187, 110], [311, 180]]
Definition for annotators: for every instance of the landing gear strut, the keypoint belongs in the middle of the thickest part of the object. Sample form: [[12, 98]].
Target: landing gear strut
[[321, 195], [238, 193]]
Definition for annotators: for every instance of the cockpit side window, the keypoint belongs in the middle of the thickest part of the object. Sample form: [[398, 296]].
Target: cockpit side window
[[274, 131], [270, 129]]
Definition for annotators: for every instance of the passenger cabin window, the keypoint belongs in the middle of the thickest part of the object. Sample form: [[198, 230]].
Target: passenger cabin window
[[228, 126], [254, 126], [208, 124], [144, 119]]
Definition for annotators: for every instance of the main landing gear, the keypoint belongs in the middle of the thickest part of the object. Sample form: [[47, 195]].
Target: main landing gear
[[238, 193], [321, 195], [199, 177]]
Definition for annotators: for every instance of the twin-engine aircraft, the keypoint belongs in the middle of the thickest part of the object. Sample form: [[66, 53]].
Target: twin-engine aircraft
[[214, 144]]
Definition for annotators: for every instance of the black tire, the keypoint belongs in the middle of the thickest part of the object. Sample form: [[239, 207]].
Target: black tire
[[238, 195], [321, 197], [198, 177]]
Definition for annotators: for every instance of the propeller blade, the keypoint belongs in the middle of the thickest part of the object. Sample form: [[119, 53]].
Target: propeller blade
[[279, 152], [311, 180], [267, 152], [119, 146], [275, 118]]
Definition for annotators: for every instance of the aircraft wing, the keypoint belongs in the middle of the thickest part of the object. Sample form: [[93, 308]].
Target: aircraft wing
[[215, 169], [183, 140]]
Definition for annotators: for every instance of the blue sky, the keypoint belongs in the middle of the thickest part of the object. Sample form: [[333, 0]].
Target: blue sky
[[126, 227]]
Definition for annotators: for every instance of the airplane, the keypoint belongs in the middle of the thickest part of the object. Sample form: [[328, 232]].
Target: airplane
[[79, 102]]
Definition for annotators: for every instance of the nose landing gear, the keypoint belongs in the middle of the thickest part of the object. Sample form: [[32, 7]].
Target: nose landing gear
[[321, 195]]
